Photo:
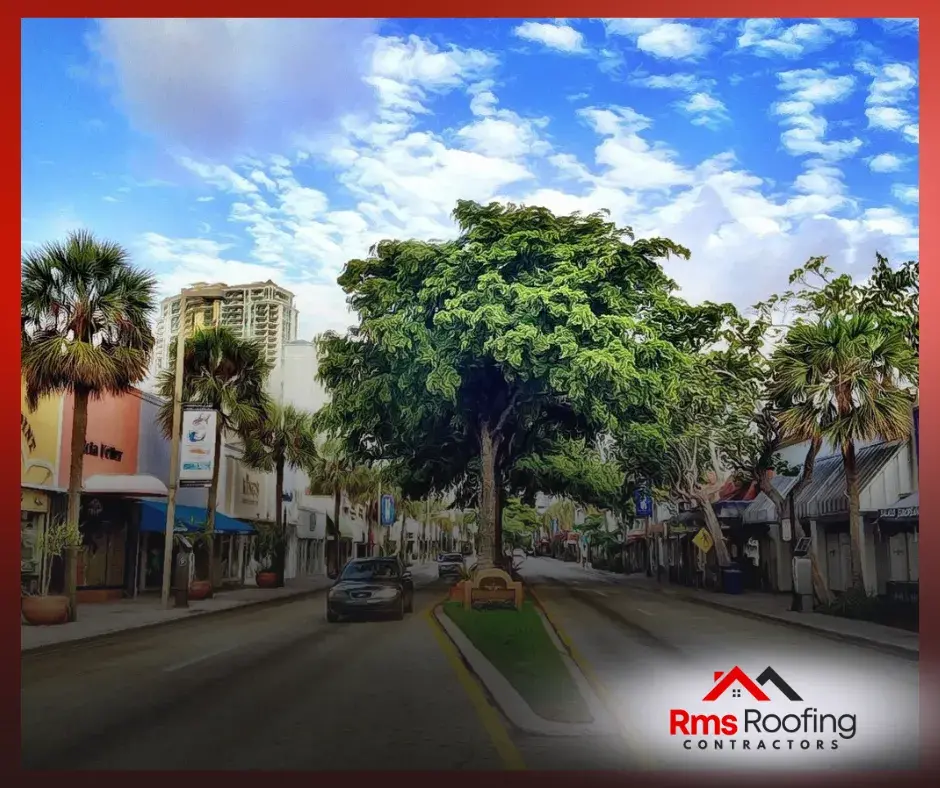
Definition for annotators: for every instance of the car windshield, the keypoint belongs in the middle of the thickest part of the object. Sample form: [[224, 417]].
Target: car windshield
[[370, 570], [453, 558]]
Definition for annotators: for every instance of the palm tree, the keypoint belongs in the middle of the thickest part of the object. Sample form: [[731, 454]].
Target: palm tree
[[84, 330], [227, 373], [335, 473], [847, 379], [283, 436]]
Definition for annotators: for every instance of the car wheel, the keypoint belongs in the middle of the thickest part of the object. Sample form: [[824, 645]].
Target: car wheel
[[410, 607], [400, 613], [331, 617]]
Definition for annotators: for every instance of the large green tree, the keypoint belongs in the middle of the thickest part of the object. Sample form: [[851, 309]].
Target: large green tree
[[84, 330], [527, 326], [227, 373], [281, 437]]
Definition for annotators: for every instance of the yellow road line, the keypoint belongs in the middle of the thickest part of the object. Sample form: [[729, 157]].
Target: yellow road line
[[489, 717], [640, 754]]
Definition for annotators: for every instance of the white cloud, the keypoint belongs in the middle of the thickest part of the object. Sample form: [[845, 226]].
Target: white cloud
[[393, 169], [806, 128], [561, 37], [885, 162], [704, 109], [906, 194], [246, 82], [900, 25], [887, 118], [891, 89], [774, 38], [662, 38]]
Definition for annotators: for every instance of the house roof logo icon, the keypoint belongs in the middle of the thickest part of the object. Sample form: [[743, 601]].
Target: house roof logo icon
[[737, 681]]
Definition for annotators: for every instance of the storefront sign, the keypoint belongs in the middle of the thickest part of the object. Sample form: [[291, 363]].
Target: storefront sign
[[250, 490], [39, 440], [33, 501], [197, 446], [103, 451]]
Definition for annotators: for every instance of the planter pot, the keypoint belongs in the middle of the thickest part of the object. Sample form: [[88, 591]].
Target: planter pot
[[200, 589], [266, 579], [456, 591], [44, 611]]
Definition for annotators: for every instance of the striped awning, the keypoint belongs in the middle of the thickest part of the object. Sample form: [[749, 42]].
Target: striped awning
[[825, 495]]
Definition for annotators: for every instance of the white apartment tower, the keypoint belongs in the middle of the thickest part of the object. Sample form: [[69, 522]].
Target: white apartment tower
[[262, 311]]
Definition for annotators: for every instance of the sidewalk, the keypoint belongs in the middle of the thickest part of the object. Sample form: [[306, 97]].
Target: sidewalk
[[100, 619], [774, 607]]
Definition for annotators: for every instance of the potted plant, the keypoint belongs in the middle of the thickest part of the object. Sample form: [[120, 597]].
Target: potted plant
[[43, 609], [201, 587], [266, 549]]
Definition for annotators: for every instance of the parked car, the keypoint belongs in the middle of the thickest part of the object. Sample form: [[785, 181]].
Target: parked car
[[450, 565], [371, 587]]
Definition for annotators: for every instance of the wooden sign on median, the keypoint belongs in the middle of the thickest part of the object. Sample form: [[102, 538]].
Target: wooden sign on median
[[492, 588]]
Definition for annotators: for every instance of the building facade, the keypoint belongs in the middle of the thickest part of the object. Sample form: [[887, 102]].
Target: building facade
[[262, 311]]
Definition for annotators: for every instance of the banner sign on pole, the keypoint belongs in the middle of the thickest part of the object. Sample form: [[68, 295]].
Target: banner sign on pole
[[644, 503], [388, 510], [197, 446]]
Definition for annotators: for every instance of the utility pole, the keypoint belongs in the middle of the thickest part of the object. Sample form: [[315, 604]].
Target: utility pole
[[210, 294], [174, 455]]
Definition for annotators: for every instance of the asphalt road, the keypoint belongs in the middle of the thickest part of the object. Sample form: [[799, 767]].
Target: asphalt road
[[276, 688], [280, 688], [641, 647]]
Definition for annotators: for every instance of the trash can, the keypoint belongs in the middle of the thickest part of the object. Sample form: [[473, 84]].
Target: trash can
[[182, 556], [733, 580]]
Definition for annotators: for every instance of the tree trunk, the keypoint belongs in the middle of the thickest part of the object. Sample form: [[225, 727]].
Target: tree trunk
[[786, 507], [76, 470], [337, 505], [714, 529], [489, 504], [855, 515], [280, 557], [211, 504]]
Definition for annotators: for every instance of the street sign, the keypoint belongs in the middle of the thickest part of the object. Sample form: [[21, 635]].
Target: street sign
[[644, 503], [703, 541], [388, 510]]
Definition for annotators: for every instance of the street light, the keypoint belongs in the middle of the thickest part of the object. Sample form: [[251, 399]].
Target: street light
[[199, 294]]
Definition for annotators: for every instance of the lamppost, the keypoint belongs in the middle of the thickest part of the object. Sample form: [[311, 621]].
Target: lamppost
[[200, 295]]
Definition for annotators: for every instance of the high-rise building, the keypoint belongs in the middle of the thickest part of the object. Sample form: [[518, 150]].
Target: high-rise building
[[262, 311]]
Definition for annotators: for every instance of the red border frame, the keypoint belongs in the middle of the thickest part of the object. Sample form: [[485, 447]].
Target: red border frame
[[930, 382]]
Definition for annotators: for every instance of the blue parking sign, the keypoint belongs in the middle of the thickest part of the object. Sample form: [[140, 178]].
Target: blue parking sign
[[644, 503]]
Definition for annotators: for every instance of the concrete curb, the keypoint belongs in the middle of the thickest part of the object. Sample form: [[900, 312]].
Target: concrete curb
[[906, 652], [598, 689], [512, 704], [47, 648]]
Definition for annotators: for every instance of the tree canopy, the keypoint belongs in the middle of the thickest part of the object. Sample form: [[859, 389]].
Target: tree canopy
[[492, 354]]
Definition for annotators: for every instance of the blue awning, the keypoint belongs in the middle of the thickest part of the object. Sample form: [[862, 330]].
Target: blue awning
[[189, 519]]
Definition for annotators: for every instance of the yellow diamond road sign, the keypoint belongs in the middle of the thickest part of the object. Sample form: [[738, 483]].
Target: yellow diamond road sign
[[703, 540]]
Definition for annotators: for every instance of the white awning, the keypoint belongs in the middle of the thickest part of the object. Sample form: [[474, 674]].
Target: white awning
[[140, 485]]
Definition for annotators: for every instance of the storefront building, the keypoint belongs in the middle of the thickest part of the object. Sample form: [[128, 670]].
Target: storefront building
[[41, 497]]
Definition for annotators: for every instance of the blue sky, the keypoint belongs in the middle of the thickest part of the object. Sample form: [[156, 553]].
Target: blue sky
[[244, 149]]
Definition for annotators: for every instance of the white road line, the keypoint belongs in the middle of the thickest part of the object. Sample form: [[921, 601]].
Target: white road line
[[201, 658], [599, 592], [644, 612]]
